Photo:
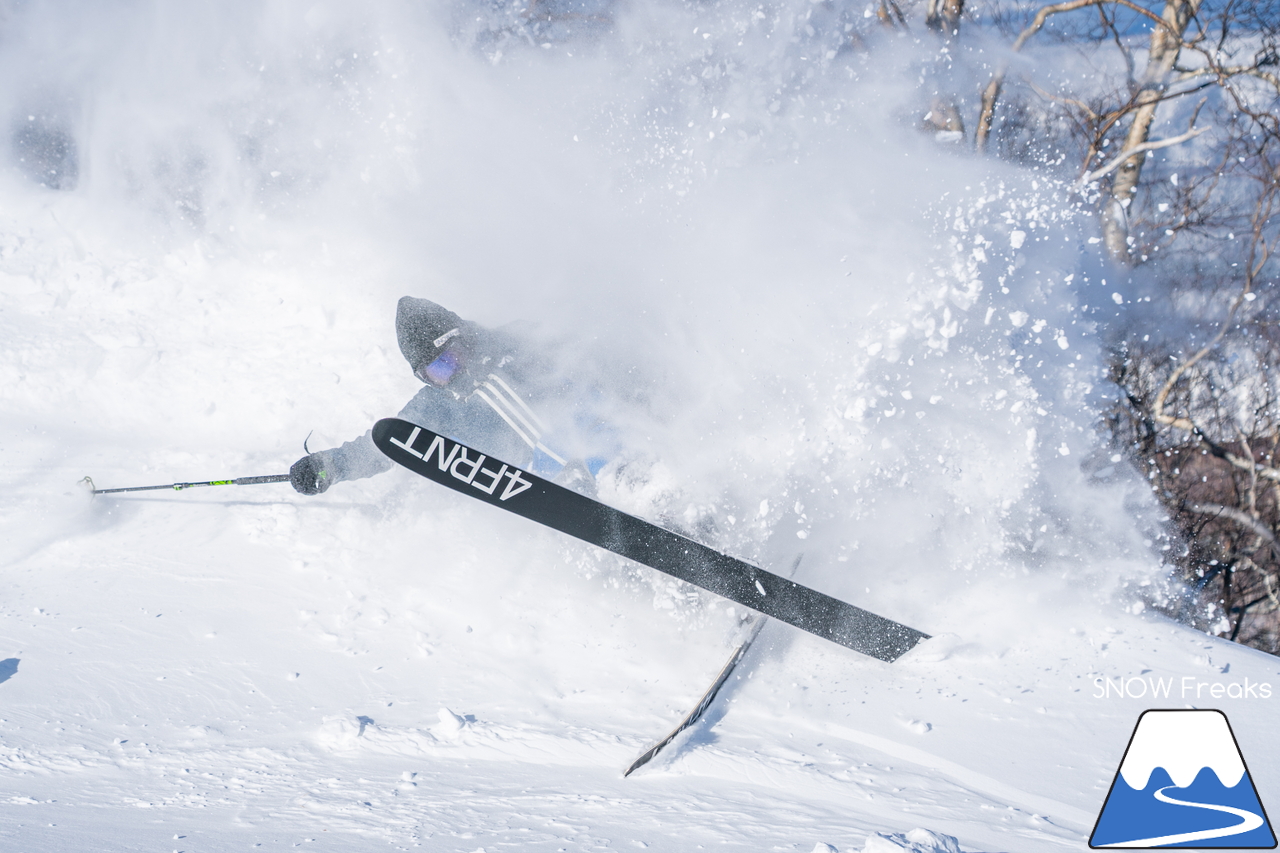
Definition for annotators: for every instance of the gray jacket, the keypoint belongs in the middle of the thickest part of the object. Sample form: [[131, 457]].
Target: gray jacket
[[481, 408]]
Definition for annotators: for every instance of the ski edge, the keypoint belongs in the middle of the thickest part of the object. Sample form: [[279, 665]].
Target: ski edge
[[705, 702], [709, 696]]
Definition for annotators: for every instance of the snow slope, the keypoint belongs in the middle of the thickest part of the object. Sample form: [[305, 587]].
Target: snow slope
[[820, 333]]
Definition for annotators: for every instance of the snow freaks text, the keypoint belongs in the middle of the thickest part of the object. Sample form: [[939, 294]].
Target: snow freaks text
[[1187, 687]]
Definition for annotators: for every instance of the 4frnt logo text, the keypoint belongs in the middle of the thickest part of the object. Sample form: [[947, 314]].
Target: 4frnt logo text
[[465, 469]]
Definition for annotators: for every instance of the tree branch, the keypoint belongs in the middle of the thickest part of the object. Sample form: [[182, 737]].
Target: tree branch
[[1124, 156], [1239, 517], [991, 93]]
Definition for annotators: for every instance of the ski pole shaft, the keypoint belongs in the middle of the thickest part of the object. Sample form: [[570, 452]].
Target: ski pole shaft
[[177, 487]]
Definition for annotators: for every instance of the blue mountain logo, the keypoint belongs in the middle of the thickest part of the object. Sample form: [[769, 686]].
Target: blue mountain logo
[[1183, 783]]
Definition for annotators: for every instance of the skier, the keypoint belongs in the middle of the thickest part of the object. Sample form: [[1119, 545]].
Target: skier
[[471, 376]]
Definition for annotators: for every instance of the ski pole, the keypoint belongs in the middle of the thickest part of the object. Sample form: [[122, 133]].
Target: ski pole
[[239, 481]]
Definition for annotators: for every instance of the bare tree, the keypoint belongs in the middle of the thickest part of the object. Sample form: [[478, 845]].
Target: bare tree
[[943, 16], [1153, 87], [1185, 55], [1206, 427], [944, 119], [1193, 217]]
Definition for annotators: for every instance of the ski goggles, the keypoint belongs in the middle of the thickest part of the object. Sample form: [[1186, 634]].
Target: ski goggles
[[440, 371]]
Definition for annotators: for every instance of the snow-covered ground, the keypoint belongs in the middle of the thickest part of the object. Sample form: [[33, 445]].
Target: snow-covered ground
[[822, 334]]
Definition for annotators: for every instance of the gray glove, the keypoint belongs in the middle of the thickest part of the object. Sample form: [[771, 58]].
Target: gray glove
[[309, 475]]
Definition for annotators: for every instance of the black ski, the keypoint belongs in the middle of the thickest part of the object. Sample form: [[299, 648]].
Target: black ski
[[466, 470]]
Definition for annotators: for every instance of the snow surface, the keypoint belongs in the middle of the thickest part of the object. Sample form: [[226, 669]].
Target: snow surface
[[820, 334]]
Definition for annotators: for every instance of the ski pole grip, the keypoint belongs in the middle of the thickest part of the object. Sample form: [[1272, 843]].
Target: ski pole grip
[[253, 481]]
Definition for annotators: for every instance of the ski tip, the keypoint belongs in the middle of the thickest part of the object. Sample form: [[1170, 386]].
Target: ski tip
[[87, 484], [904, 646], [644, 759]]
